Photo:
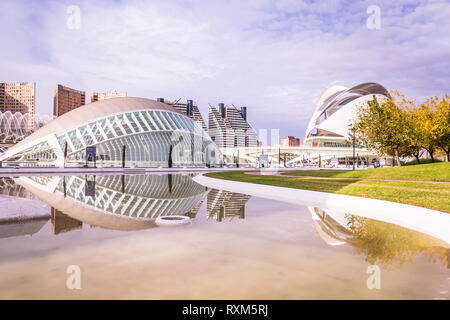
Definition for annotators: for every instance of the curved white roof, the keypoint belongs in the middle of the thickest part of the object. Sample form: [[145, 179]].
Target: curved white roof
[[85, 114], [339, 105], [96, 110], [328, 93]]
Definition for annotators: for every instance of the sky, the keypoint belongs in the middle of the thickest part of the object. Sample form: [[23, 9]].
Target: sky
[[275, 57]]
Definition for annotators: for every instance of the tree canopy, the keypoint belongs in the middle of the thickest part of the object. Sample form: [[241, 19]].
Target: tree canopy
[[396, 126]]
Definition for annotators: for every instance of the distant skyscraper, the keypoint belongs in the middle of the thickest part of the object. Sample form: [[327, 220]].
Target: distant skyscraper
[[290, 141], [66, 99], [106, 95], [189, 109], [228, 127], [18, 97]]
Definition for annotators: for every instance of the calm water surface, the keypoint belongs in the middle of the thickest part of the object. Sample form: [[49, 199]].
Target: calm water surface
[[236, 246]]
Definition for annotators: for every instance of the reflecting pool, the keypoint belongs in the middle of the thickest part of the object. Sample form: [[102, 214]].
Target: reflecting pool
[[235, 246]]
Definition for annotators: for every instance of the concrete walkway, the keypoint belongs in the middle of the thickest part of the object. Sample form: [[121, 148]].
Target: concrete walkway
[[431, 222]]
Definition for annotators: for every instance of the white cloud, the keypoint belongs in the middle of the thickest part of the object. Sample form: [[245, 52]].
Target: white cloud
[[274, 57]]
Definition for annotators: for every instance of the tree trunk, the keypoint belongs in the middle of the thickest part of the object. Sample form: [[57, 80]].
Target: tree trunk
[[397, 157], [447, 152], [417, 157]]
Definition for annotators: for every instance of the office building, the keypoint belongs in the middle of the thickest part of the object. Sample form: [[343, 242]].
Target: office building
[[290, 141], [228, 127], [188, 108], [95, 96], [67, 99], [18, 97]]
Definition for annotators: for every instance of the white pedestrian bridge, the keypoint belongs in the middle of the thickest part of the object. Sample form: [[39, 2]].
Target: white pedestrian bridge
[[295, 156]]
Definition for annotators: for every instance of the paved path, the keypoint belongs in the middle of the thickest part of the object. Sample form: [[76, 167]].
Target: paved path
[[280, 174]]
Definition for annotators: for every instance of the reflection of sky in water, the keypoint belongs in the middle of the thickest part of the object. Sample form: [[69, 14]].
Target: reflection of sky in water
[[276, 240]]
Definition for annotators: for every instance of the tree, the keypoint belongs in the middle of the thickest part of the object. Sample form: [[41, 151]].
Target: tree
[[428, 125], [382, 126], [442, 120], [391, 246], [414, 136]]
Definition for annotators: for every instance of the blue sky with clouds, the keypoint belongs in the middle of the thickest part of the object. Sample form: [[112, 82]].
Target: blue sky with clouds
[[276, 57]]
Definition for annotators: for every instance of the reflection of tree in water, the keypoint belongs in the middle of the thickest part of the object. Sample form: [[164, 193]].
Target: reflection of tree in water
[[391, 246]]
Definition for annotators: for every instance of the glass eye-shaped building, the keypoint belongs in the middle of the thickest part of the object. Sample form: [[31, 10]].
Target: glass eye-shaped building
[[151, 131]]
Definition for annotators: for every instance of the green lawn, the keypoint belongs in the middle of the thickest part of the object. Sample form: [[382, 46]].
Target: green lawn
[[433, 196], [423, 172]]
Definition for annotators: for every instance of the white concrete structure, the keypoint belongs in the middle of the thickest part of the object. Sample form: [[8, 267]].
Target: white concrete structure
[[336, 110], [15, 127], [298, 156], [145, 127], [228, 127], [327, 135]]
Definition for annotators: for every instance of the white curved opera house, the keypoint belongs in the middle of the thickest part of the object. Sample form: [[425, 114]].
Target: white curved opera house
[[147, 128], [334, 112]]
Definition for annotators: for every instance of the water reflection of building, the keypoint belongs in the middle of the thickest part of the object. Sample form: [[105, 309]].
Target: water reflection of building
[[21, 228], [193, 212], [9, 188], [116, 202], [63, 223], [226, 205], [331, 228], [21, 214]]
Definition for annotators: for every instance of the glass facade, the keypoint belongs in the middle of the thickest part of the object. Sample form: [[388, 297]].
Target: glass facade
[[136, 197], [147, 136]]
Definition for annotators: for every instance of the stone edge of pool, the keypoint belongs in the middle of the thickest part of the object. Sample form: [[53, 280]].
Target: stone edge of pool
[[432, 222]]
